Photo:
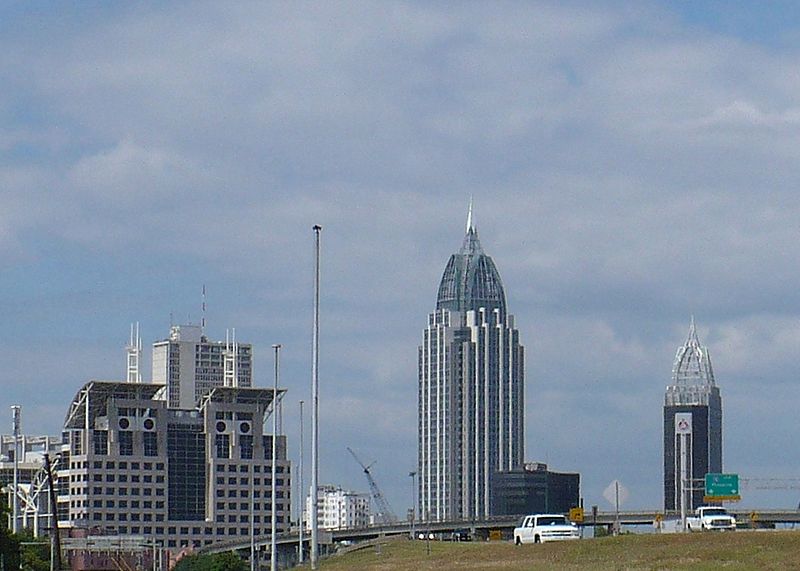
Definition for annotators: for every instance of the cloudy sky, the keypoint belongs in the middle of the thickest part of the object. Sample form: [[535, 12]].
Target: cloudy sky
[[631, 164]]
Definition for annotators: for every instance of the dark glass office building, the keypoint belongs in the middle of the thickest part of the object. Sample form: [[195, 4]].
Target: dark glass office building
[[694, 397], [534, 489]]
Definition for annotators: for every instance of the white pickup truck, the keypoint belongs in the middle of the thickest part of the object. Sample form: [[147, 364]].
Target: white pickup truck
[[545, 527], [711, 517]]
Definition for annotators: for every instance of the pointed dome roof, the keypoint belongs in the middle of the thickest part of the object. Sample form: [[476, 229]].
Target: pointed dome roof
[[692, 362], [471, 280]]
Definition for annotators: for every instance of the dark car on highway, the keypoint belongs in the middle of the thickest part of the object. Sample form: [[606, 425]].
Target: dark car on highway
[[461, 535]]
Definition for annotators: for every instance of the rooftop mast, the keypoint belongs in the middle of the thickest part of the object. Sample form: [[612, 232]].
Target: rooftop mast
[[134, 351], [230, 376], [203, 313]]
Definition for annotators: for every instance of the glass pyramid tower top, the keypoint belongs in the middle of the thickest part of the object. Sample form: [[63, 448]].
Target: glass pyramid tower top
[[692, 362]]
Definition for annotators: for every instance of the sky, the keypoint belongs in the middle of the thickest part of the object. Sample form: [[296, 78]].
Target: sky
[[631, 164]]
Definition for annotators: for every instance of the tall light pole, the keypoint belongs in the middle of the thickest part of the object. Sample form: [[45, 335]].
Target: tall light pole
[[252, 526], [413, 476], [273, 556], [315, 408], [15, 414], [252, 521], [302, 488]]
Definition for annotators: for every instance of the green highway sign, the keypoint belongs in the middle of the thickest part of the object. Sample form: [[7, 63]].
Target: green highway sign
[[722, 487]]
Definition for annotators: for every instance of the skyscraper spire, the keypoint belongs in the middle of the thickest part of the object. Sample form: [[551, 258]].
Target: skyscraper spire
[[692, 339], [470, 228], [692, 362]]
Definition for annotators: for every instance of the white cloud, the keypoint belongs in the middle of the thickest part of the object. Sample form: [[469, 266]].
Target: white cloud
[[746, 114], [130, 174], [628, 170]]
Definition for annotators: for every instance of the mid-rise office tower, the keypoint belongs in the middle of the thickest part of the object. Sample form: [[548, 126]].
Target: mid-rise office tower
[[187, 477], [190, 365], [692, 414], [471, 376]]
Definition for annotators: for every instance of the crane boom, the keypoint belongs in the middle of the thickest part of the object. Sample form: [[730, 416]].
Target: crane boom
[[385, 513]]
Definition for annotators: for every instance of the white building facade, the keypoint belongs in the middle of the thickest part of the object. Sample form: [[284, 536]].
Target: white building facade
[[190, 365], [338, 508], [33, 495]]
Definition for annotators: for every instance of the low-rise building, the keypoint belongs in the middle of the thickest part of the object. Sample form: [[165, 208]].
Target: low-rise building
[[338, 508], [534, 489], [33, 506]]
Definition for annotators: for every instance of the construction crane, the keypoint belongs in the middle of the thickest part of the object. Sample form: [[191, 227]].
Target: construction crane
[[385, 514]]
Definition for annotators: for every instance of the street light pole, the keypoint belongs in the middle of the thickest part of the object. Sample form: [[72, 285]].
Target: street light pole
[[15, 412], [315, 408], [302, 490], [273, 556], [252, 520], [413, 501]]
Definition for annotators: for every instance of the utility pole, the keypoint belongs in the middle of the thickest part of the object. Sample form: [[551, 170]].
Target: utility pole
[[302, 490], [55, 538], [315, 409], [273, 544]]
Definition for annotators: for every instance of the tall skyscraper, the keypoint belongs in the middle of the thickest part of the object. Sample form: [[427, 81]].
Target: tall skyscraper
[[692, 413], [190, 365], [471, 377]]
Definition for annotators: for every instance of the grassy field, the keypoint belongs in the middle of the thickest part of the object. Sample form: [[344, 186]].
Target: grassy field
[[739, 550]]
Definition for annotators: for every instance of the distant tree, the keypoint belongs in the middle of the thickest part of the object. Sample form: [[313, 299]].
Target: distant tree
[[228, 562], [191, 563], [9, 542], [5, 510], [216, 562], [34, 557], [9, 549], [601, 531]]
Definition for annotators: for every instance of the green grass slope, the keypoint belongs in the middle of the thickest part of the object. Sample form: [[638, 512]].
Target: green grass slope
[[739, 550]]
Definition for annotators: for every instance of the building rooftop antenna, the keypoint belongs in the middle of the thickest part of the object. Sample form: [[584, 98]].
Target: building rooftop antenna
[[134, 351], [203, 313], [230, 369]]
